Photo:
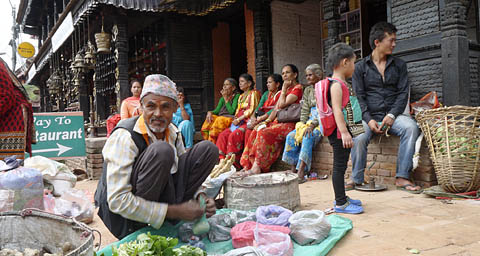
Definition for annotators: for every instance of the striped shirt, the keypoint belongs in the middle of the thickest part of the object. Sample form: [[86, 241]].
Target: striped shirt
[[119, 154]]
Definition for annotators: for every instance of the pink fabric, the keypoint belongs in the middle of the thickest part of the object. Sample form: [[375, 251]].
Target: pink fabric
[[243, 233]]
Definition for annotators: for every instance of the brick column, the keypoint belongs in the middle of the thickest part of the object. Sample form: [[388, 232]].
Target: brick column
[[455, 57]]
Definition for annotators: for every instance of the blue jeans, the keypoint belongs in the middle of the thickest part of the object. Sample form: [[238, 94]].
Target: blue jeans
[[404, 127], [188, 132], [294, 155]]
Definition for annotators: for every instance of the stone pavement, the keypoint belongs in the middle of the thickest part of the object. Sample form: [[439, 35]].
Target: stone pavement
[[393, 223]]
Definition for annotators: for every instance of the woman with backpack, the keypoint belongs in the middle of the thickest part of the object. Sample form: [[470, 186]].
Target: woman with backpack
[[336, 104]]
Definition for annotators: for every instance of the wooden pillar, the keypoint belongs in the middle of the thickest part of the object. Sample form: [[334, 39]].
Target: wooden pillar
[[262, 20], [250, 41], [84, 97], [121, 45], [207, 70], [455, 55]]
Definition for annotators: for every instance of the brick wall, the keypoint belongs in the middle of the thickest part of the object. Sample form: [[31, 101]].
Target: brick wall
[[425, 76], [94, 157], [296, 35], [415, 17], [384, 167]]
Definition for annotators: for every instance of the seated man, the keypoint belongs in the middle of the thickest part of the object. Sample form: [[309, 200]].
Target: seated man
[[148, 176], [381, 84]]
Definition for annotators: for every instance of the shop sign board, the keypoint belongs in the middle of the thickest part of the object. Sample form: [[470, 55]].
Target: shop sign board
[[63, 32], [26, 50], [59, 135]]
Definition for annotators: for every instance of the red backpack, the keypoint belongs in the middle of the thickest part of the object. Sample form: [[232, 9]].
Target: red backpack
[[325, 113]]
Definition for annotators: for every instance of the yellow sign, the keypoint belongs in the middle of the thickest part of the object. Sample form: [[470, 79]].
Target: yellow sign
[[26, 50]]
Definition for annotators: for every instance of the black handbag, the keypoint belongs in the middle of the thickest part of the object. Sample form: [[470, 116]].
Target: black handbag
[[290, 114]]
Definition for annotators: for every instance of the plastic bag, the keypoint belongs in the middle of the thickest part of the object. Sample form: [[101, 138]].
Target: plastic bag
[[245, 251], [55, 173], [309, 227], [273, 242], [185, 232], [273, 215], [221, 224], [429, 101], [243, 233], [73, 203], [27, 186], [213, 186]]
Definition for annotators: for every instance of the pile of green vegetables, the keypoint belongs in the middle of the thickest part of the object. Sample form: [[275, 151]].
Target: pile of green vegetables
[[148, 244]]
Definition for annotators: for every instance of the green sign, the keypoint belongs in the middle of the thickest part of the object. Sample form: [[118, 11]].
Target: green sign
[[59, 135]]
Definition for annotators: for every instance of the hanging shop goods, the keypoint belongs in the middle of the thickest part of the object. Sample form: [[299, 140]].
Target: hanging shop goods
[[103, 41]]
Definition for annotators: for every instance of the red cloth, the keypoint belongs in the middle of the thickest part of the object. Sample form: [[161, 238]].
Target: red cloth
[[12, 98], [112, 121]]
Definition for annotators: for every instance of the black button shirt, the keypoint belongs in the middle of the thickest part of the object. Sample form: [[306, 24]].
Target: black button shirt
[[378, 97]]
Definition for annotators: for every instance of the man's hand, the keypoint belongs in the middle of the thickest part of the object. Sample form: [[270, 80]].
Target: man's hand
[[386, 122], [309, 131], [181, 99], [210, 209], [188, 211], [374, 127]]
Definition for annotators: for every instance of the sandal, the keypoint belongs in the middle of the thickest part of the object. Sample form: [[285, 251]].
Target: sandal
[[301, 181], [348, 208], [406, 186], [351, 186]]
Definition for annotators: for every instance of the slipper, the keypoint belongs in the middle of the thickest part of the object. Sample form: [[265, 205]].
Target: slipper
[[351, 186], [352, 201], [348, 208], [406, 186]]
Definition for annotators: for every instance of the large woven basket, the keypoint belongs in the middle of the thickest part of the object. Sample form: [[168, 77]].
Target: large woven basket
[[453, 137], [278, 188]]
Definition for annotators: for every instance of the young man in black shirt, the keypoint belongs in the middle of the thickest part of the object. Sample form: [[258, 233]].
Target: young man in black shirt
[[380, 82]]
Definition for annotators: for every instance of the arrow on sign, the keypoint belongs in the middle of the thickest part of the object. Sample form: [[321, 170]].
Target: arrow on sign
[[61, 149]]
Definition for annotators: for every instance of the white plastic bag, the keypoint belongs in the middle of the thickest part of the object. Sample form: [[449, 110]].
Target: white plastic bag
[[213, 186], [73, 203], [245, 251], [273, 243], [55, 173], [309, 227]]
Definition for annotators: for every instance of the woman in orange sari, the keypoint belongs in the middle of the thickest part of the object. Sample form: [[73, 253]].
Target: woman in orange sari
[[265, 145], [131, 105], [222, 116], [231, 140]]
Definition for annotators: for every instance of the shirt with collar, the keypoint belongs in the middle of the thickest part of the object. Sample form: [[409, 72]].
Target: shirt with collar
[[119, 153], [379, 96]]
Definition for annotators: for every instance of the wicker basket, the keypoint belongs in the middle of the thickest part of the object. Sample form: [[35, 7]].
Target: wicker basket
[[453, 137], [278, 188]]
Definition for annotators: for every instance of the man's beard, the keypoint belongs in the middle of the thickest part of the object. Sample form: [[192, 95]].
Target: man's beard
[[158, 129]]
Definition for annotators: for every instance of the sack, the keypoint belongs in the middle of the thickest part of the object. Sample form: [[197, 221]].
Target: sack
[[26, 187], [309, 227], [290, 114], [273, 215], [273, 242], [243, 233], [325, 112]]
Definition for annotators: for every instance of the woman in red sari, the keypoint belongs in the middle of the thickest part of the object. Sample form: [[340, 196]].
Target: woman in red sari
[[265, 145], [266, 105], [231, 140]]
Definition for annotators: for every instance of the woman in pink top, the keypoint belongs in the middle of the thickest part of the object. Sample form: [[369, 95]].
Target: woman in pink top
[[131, 105]]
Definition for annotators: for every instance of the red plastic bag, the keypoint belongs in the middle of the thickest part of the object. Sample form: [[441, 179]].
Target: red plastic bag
[[429, 101], [273, 242], [243, 233]]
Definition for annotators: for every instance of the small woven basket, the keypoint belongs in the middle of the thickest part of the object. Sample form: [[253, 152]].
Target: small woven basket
[[453, 137]]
